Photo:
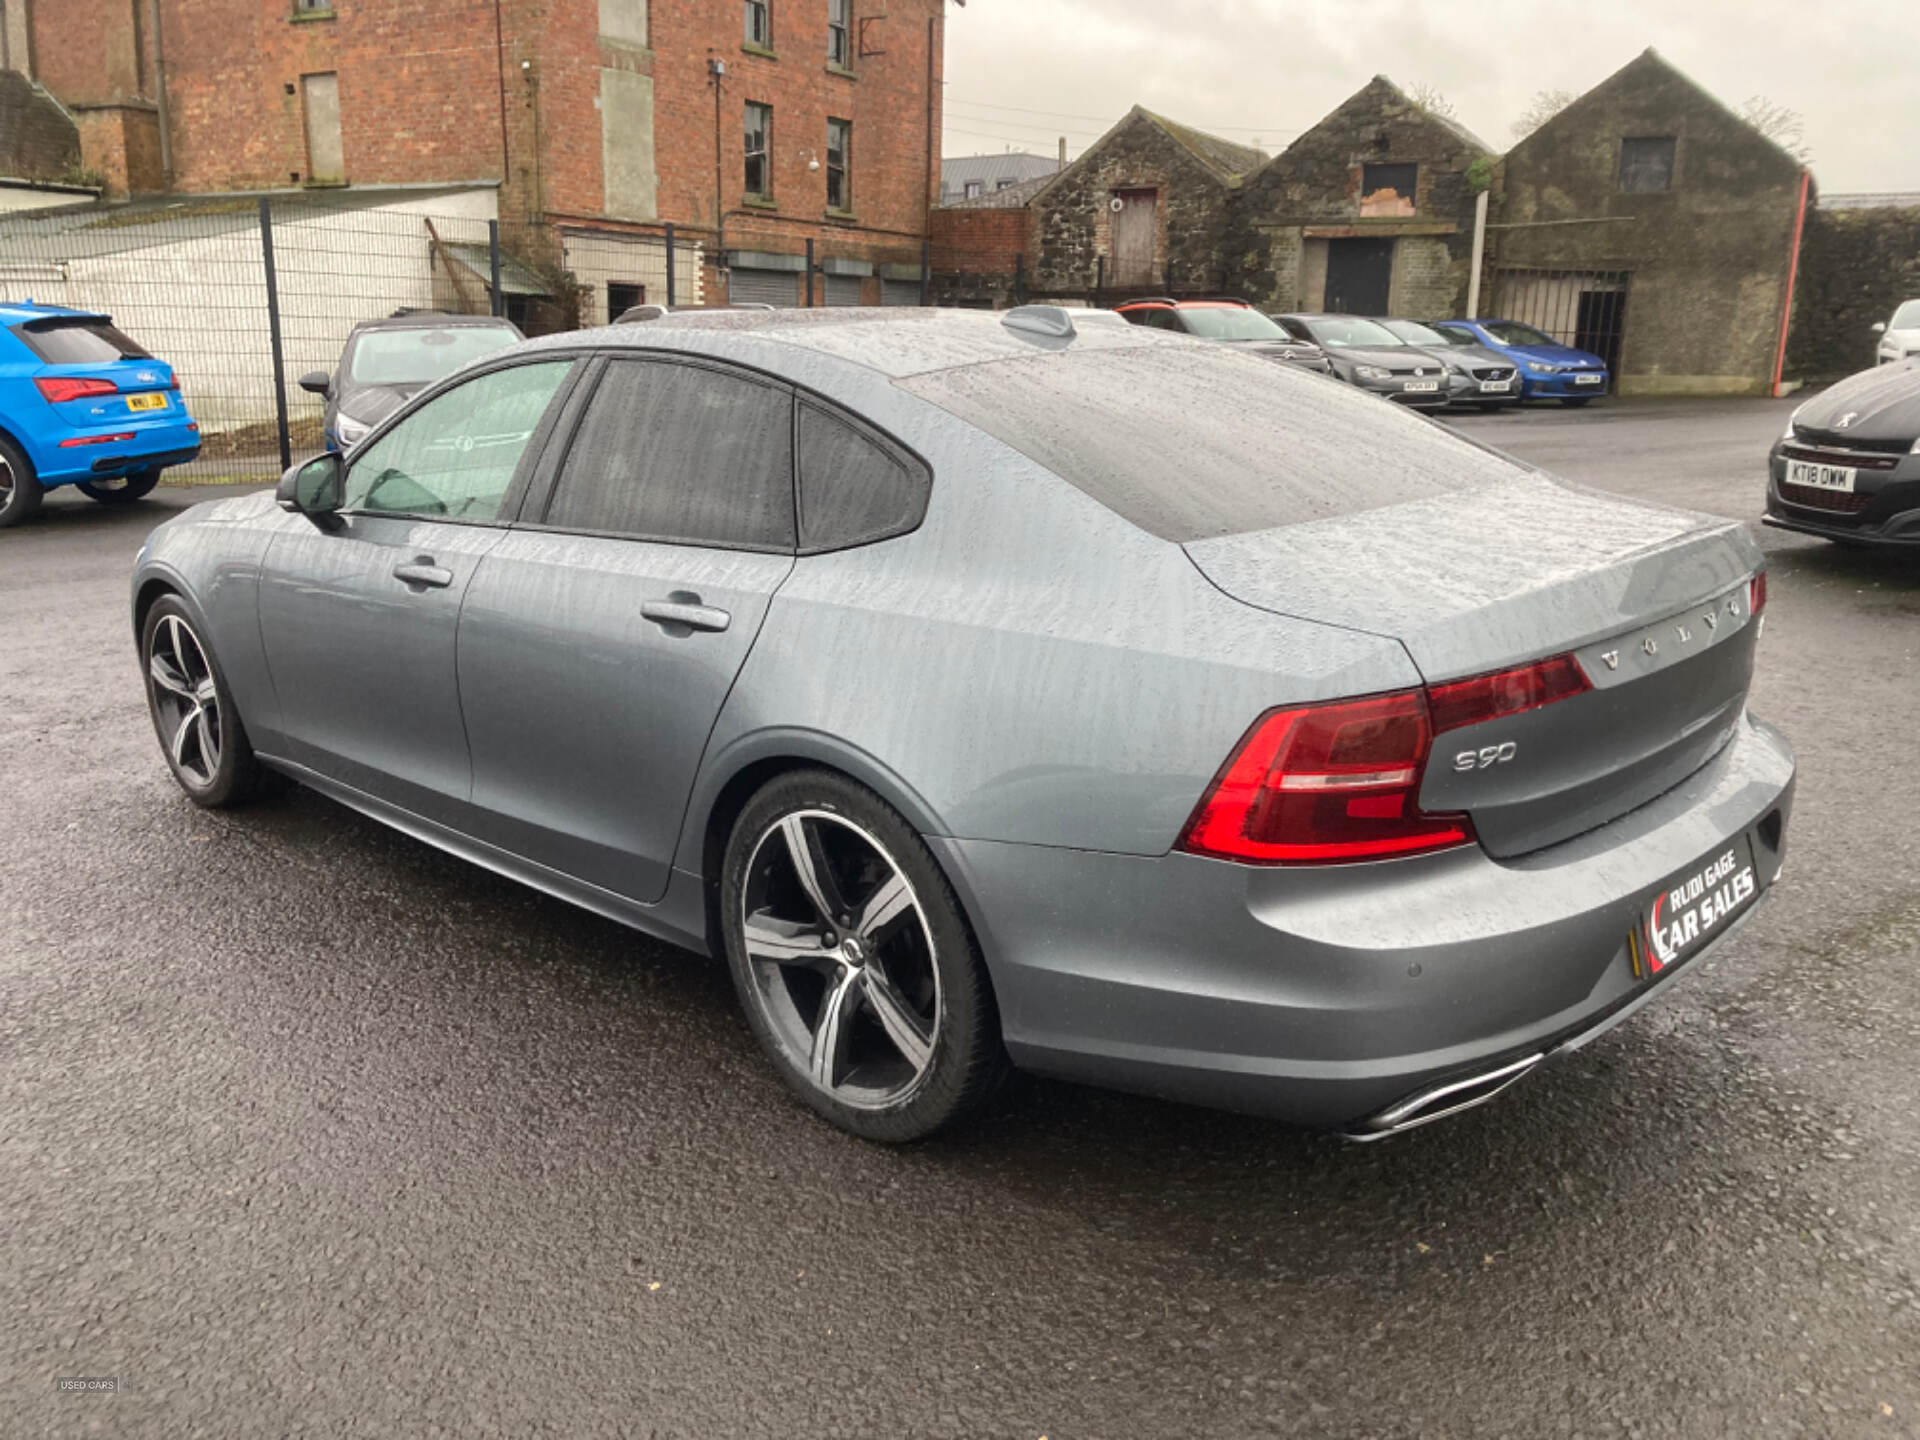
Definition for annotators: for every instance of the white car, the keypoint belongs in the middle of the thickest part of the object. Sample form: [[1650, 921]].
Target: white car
[[1900, 336]]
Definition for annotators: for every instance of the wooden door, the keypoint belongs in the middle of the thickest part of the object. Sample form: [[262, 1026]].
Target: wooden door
[[1133, 236]]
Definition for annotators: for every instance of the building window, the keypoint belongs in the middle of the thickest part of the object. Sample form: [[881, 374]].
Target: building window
[[839, 145], [760, 24], [326, 155], [622, 296], [1388, 189], [759, 136], [973, 189], [1646, 164], [311, 7], [839, 32], [1005, 182]]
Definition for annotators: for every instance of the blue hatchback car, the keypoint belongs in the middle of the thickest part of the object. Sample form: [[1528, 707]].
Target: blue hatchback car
[[1548, 369], [81, 404]]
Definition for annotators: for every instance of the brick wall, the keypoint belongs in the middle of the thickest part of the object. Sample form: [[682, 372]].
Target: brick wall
[[37, 142], [980, 242], [608, 107]]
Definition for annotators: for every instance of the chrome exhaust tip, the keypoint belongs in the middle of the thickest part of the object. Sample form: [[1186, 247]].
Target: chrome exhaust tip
[[1437, 1102]]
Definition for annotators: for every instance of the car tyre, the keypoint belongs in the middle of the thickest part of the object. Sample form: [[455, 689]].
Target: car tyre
[[854, 963], [193, 713], [122, 489], [20, 488]]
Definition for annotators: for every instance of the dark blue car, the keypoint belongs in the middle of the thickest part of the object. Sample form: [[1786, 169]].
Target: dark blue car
[[1548, 369], [81, 404]]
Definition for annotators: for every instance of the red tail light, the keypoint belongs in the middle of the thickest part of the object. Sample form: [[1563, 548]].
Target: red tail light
[[174, 383], [59, 389], [1324, 784], [1757, 593], [96, 440], [1505, 692]]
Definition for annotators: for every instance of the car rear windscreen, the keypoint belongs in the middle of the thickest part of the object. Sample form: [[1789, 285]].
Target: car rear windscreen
[[77, 340], [421, 355], [1190, 443]]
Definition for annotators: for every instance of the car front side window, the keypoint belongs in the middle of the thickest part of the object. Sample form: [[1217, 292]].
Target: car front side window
[[456, 456]]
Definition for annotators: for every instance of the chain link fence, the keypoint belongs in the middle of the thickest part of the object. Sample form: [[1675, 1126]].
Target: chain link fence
[[244, 296]]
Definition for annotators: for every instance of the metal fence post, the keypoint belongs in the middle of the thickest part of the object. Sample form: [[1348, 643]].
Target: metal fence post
[[499, 306], [670, 293], [809, 274], [926, 272], [273, 332], [1020, 278]]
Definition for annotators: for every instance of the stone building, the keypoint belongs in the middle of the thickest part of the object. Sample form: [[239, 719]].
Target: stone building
[[1370, 212], [1140, 210], [1651, 224]]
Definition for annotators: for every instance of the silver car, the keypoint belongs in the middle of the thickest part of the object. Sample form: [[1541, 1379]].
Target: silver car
[[1006, 688]]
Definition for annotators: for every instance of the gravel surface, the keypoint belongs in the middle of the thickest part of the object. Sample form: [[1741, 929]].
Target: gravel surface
[[306, 1129]]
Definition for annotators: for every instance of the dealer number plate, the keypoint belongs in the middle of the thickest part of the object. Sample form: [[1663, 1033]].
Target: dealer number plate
[[1820, 477], [1696, 906]]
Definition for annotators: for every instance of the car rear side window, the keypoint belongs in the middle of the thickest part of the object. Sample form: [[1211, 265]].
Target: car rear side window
[[1190, 443], [854, 487], [681, 453], [77, 340]]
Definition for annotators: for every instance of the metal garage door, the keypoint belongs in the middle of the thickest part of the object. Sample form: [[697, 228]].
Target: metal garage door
[[764, 287], [900, 292], [843, 289]]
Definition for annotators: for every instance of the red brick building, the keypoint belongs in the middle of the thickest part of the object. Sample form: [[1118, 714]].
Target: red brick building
[[599, 120]]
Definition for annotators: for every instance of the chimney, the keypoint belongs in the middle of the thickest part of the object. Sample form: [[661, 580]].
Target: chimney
[[1063, 152]]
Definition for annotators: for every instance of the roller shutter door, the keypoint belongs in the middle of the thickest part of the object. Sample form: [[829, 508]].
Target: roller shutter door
[[900, 292], [843, 289], [764, 287]]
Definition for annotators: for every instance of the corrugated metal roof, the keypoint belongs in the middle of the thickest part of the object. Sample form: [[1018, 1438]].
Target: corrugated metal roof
[[86, 232], [1872, 200], [989, 170]]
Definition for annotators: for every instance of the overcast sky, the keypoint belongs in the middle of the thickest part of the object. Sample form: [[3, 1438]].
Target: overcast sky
[[1020, 73]]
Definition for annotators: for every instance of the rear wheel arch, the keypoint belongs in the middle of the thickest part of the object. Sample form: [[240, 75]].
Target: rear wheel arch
[[146, 597], [746, 768]]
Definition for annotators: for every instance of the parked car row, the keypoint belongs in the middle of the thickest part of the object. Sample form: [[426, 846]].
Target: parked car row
[[1480, 364]]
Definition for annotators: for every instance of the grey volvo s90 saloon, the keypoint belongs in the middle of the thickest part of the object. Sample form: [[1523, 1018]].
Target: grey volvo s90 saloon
[[994, 689]]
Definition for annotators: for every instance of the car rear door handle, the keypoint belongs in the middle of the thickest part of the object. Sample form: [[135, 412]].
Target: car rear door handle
[[696, 617], [424, 572]]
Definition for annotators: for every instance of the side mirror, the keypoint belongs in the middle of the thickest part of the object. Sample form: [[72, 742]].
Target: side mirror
[[314, 489], [1879, 327], [315, 382]]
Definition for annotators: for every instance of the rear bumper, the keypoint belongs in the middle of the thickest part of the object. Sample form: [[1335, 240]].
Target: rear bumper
[[173, 443], [1324, 996]]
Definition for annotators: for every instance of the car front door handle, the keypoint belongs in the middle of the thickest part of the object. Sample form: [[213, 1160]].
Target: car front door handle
[[694, 617], [424, 572]]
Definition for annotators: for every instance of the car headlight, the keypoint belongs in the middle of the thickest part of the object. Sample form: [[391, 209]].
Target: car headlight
[[1539, 368], [349, 431], [1916, 448], [1796, 415], [1372, 372]]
